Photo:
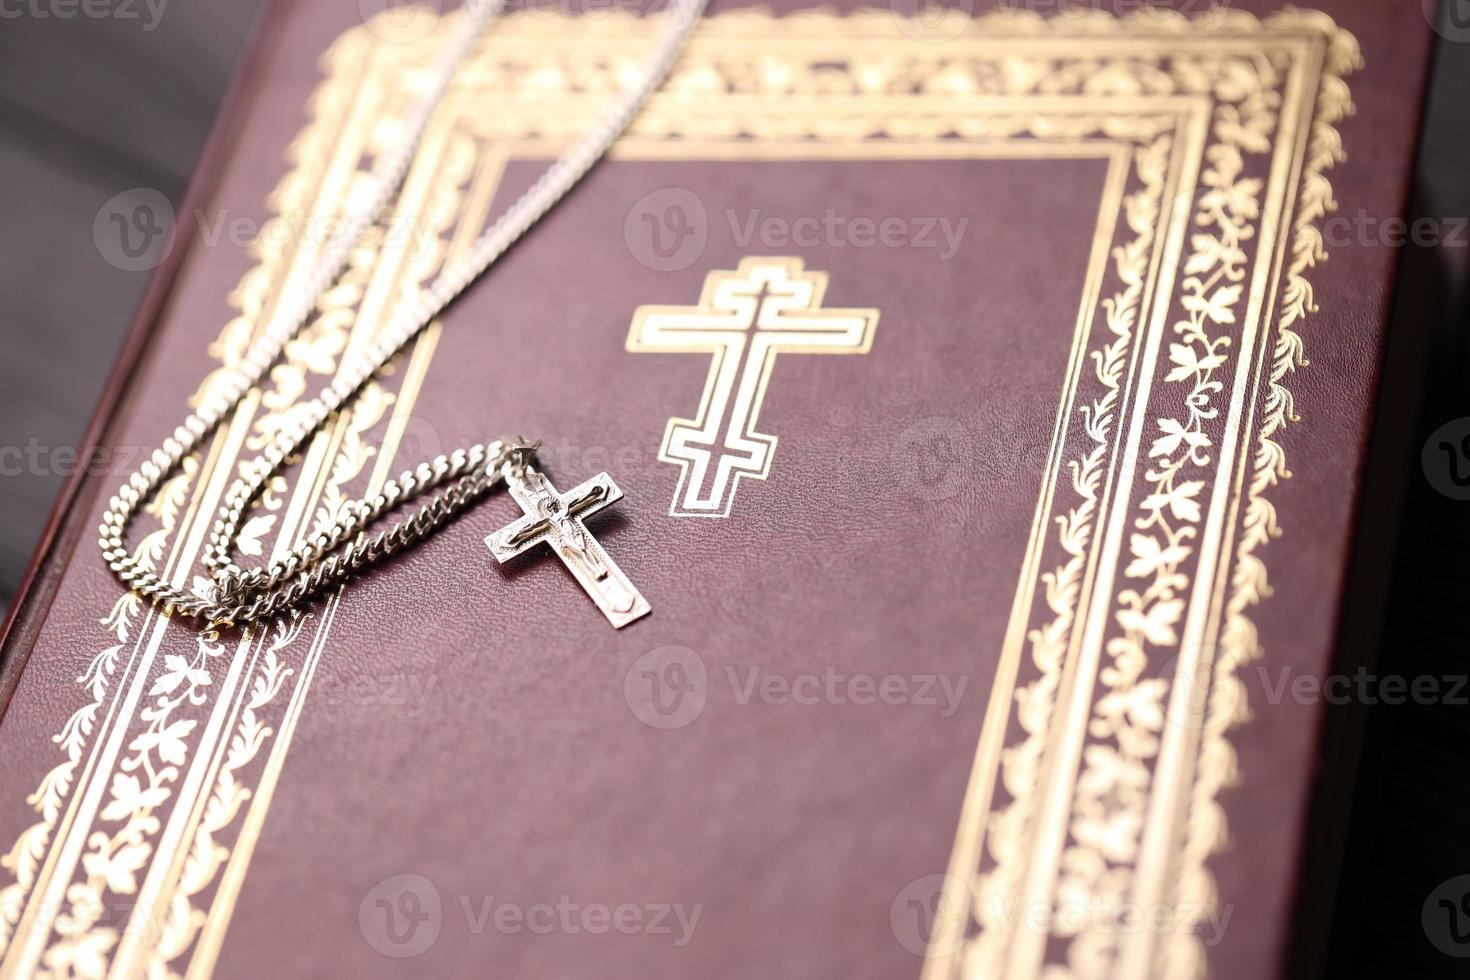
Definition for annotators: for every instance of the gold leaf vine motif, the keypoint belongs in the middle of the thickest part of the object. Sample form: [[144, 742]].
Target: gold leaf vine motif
[[1182, 954], [1113, 787], [1034, 701], [251, 734], [1122, 730], [113, 859], [229, 795]]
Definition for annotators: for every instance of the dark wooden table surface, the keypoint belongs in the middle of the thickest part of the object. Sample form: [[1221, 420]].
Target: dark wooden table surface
[[89, 107], [93, 107]]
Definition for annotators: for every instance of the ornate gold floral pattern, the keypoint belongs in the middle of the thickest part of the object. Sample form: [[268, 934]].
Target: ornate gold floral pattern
[[870, 63], [1182, 954], [1114, 782], [25, 856], [354, 451], [142, 786], [1063, 585], [1107, 814], [253, 298], [115, 856], [229, 794]]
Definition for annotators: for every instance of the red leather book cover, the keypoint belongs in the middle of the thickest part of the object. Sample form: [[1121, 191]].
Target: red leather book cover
[[990, 399]]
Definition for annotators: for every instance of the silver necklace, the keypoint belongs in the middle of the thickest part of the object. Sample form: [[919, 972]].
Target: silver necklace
[[334, 554]]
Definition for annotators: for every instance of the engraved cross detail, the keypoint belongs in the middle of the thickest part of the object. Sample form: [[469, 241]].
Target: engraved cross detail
[[558, 519], [745, 317]]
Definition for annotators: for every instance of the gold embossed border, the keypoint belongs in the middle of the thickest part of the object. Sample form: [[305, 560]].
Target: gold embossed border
[[132, 837], [1108, 764], [1025, 80]]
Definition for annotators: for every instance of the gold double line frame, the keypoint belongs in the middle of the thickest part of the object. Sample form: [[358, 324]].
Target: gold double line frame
[[1106, 739]]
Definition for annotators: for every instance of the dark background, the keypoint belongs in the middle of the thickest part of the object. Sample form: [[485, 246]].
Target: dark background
[[90, 108]]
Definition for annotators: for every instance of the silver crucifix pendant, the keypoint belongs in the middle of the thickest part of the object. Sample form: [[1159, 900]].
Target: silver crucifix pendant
[[557, 519]]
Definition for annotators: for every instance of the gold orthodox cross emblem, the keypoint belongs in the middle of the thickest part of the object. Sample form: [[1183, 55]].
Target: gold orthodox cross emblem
[[744, 318], [558, 519]]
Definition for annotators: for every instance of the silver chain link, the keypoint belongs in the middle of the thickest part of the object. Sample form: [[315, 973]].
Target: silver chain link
[[241, 595]]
